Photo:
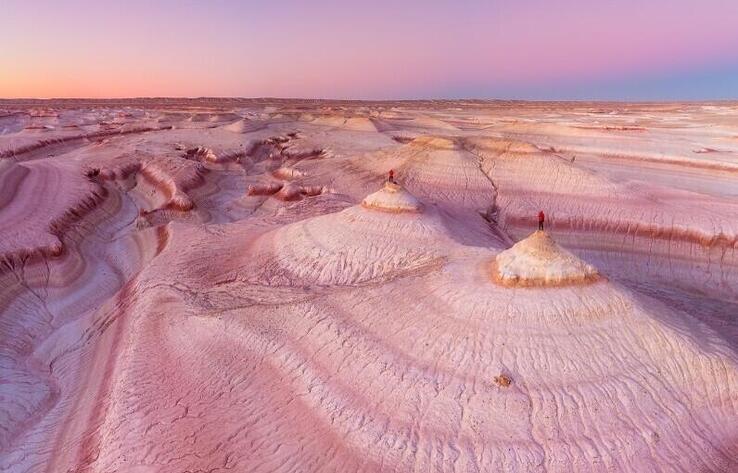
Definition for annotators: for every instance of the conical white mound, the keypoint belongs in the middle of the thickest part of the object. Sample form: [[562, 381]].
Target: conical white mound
[[385, 237], [539, 261], [392, 198]]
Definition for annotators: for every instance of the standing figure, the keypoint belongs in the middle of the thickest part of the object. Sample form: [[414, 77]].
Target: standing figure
[[391, 177], [541, 218]]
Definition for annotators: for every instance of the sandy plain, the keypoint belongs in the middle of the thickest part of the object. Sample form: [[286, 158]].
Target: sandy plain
[[230, 285]]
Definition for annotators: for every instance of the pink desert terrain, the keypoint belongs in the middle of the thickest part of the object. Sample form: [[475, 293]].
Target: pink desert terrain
[[214, 285]]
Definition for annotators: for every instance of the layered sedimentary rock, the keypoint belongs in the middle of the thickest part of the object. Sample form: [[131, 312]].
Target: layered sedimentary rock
[[267, 302], [392, 198], [385, 237], [538, 261], [603, 216]]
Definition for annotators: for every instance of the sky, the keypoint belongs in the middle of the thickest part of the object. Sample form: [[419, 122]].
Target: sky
[[522, 49]]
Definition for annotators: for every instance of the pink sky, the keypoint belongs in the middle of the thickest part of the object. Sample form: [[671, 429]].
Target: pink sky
[[337, 49]]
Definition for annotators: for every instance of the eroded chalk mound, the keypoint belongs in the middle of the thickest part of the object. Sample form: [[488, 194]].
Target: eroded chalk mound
[[348, 123], [438, 169], [383, 239], [392, 198], [539, 261]]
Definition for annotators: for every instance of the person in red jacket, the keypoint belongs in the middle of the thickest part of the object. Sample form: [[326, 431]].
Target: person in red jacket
[[541, 218], [391, 177]]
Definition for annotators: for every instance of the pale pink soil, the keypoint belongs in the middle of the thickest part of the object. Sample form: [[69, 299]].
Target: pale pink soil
[[199, 285]]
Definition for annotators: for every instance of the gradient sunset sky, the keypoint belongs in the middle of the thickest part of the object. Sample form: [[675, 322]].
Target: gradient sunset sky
[[528, 49]]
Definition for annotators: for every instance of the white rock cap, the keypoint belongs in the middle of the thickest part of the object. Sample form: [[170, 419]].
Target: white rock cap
[[392, 198], [539, 261]]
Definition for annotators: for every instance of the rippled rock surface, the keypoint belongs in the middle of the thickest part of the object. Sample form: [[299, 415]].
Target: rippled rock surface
[[232, 285]]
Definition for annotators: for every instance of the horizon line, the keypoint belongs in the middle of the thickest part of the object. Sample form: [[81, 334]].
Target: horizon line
[[324, 99]]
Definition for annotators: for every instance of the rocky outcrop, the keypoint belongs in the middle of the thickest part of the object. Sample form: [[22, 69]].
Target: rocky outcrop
[[538, 261], [392, 198], [386, 236]]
